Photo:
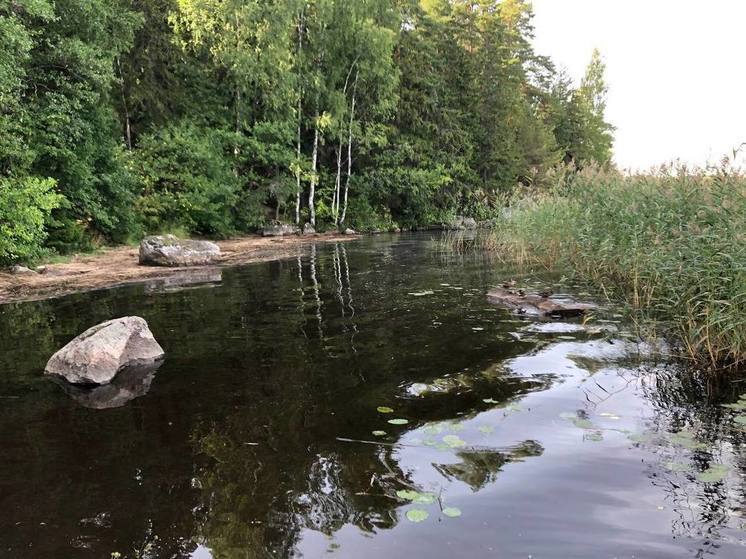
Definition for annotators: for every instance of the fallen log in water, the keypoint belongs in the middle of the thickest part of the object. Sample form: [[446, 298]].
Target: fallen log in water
[[533, 303]]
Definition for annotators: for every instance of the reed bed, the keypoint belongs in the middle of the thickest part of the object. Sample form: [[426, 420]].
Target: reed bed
[[670, 243]]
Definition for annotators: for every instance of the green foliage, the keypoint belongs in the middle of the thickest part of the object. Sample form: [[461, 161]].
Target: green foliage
[[187, 182], [216, 116], [24, 207]]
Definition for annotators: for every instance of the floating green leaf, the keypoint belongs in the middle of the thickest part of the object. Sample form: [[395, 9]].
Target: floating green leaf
[[454, 441], [398, 421], [595, 436], [713, 474], [436, 429], [417, 515], [678, 467], [741, 419], [379, 433], [581, 423], [384, 409], [686, 439], [452, 512], [416, 496], [486, 429]]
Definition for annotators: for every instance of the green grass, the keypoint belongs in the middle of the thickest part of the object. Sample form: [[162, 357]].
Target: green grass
[[670, 244]]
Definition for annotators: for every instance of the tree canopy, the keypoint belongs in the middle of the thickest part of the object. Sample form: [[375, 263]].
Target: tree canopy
[[121, 117]]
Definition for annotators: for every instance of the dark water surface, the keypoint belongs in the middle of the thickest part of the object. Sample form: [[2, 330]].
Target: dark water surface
[[256, 437]]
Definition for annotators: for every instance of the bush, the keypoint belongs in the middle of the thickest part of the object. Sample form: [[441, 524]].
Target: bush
[[187, 181], [25, 206]]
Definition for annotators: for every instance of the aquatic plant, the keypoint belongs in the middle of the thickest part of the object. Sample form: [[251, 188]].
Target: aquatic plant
[[670, 243]]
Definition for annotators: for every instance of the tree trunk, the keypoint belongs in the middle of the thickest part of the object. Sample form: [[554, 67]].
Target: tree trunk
[[337, 185], [300, 120], [314, 175], [349, 149], [127, 123]]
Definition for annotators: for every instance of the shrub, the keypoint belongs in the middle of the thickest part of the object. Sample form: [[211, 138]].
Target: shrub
[[187, 181], [25, 205]]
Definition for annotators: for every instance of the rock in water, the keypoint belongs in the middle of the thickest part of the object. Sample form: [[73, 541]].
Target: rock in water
[[167, 250], [99, 353]]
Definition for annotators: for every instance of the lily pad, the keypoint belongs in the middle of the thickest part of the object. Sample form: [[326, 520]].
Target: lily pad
[[416, 496], [454, 441], [379, 433], [398, 421], [686, 439], [384, 409], [595, 436], [741, 419], [452, 512], [713, 474], [579, 422], [417, 515], [486, 429]]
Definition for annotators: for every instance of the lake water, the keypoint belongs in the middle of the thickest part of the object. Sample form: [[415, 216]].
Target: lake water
[[363, 401]]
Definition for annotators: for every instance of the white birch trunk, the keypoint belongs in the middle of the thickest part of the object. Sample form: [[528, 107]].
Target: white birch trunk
[[349, 150], [300, 120], [314, 175]]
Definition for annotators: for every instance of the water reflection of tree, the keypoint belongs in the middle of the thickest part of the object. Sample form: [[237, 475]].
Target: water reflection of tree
[[685, 401], [480, 467]]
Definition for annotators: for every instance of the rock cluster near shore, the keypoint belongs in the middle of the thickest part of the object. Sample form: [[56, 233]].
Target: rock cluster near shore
[[168, 250], [98, 354]]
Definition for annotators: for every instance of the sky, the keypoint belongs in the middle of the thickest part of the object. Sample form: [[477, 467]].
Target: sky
[[676, 71]]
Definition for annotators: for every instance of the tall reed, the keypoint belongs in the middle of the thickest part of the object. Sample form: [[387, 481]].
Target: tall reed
[[670, 243]]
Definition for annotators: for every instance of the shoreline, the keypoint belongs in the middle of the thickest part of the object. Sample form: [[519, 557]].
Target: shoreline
[[118, 266]]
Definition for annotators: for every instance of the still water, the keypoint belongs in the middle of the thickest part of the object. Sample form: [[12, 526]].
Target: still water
[[362, 401]]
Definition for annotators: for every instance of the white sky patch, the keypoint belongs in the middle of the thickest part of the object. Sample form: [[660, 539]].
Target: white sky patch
[[676, 71]]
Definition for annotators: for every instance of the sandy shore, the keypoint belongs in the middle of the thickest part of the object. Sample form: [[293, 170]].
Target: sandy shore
[[119, 266]]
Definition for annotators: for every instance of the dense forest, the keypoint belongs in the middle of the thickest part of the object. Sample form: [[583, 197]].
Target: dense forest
[[214, 117]]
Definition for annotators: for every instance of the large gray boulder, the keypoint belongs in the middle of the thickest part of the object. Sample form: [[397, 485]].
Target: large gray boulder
[[99, 353], [461, 223], [280, 230], [167, 250]]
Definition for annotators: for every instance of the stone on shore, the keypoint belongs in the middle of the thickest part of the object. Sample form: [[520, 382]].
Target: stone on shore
[[461, 223], [280, 230], [349, 231], [18, 270], [99, 353], [168, 250], [308, 229]]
